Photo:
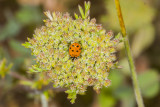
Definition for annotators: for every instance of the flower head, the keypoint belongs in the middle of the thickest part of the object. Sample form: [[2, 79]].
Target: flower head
[[50, 44]]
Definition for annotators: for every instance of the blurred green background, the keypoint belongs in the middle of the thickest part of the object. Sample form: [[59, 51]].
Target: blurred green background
[[18, 20]]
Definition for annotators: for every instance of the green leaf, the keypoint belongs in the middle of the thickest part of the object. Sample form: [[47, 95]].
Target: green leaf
[[106, 99], [4, 68], [71, 95], [76, 16], [32, 70], [16, 45], [4, 53], [116, 78], [143, 39], [125, 66], [126, 95], [124, 92], [26, 83], [28, 15], [37, 69], [149, 83], [46, 94], [11, 29], [18, 61], [87, 7], [27, 45], [81, 11], [118, 36]]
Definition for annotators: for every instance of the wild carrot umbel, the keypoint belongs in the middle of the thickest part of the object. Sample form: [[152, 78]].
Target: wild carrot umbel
[[129, 55], [51, 43]]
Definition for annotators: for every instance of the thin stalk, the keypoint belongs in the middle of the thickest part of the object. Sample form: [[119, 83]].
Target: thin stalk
[[44, 100], [129, 55]]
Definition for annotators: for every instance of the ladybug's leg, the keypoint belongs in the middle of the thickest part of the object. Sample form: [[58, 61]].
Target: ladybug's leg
[[73, 58]]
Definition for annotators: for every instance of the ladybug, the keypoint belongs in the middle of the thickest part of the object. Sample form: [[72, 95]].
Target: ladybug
[[74, 50]]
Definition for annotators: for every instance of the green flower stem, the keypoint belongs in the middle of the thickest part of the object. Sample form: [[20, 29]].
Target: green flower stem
[[44, 100], [129, 55]]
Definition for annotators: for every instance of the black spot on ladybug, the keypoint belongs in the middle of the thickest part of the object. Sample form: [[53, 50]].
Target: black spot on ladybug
[[77, 46], [70, 47], [77, 51], [72, 50]]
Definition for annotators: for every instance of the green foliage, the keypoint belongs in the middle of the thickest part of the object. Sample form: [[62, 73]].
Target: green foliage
[[4, 68], [125, 66], [4, 53], [84, 14], [46, 94], [138, 18], [71, 95], [136, 15], [35, 69], [25, 16], [16, 45], [26, 83], [27, 45], [117, 91], [28, 15], [149, 83], [106, 100], [11, 29], [21, 51], [117, 79], [139, 44], [37, 83]]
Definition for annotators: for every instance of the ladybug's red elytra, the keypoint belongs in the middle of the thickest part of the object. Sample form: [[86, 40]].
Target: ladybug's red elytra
[[74, 50]]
